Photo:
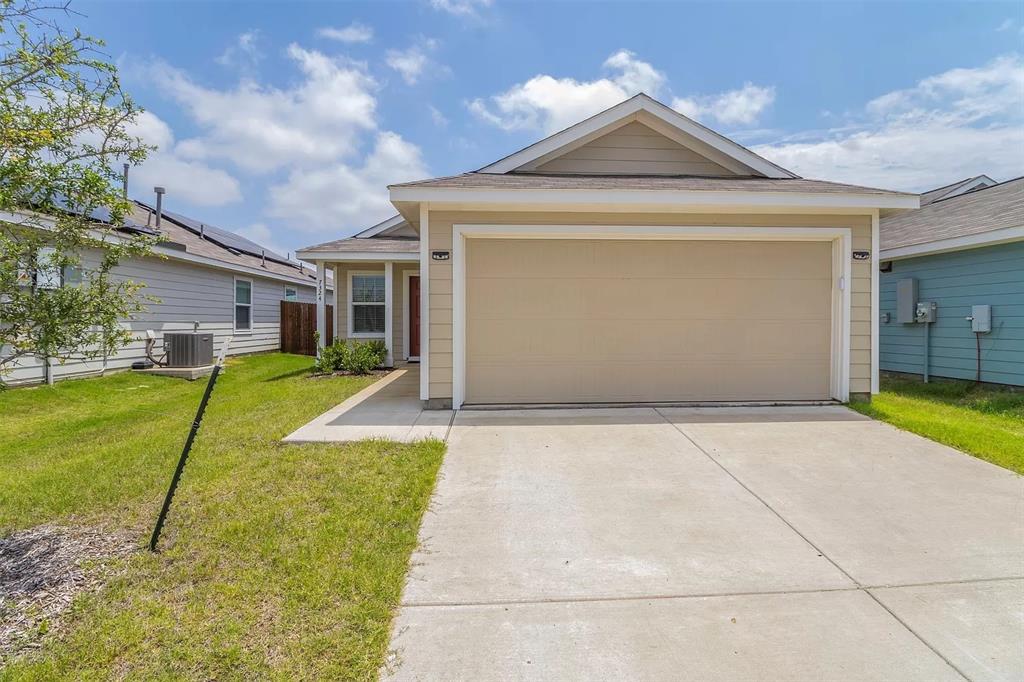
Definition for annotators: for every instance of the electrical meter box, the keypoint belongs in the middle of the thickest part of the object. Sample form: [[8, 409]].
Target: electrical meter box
[[906, 300], [981, 318], [926, 311]]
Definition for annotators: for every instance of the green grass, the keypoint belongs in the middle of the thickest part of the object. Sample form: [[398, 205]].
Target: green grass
[[984, 421], [278, 562]]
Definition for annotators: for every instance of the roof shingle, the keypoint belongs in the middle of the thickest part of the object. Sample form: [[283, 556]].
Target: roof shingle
[[984, 210]]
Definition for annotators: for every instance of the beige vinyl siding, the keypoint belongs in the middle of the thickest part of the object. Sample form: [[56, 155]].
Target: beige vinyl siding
[[342, 271], [633, 149], [441, 222]]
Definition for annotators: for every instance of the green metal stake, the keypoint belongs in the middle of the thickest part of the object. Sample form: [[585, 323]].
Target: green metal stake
[[188, 446]]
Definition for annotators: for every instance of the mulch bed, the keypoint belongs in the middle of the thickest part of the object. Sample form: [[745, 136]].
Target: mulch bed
[[42, 570]]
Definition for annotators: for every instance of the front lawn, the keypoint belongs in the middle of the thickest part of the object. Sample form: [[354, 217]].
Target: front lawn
[[277, 561], [984, 421]]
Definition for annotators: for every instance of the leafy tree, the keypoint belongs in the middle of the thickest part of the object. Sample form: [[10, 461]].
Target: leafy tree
[[65, 125]]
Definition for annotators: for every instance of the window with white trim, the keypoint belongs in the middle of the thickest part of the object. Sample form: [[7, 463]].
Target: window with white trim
[[366, 304], [291, 294], [243, 305]]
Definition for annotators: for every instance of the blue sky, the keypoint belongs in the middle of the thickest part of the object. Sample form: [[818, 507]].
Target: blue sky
[[285, 121]]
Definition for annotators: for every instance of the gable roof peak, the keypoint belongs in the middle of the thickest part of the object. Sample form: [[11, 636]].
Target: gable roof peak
[[666, 120]]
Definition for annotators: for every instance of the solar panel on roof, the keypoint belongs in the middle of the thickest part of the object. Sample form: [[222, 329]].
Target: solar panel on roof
[[227, 239]]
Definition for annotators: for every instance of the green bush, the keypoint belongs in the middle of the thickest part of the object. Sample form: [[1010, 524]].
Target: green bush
[[357, 357]]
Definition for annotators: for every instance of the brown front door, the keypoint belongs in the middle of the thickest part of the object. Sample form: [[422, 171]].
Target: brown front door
[[414, 316]]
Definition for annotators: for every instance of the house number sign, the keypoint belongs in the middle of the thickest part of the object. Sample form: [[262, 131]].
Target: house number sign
[[440, 255], [861, 255]]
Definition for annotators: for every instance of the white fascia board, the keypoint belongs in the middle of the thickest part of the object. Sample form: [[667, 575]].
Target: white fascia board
[[971, 241], [653, 199], [393, 221], [974, 183], [341, 256], [610, 117]]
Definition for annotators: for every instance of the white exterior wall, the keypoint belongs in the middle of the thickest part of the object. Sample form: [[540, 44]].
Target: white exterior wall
[[187, 293]]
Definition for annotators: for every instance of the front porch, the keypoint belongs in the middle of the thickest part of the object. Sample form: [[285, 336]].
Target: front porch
[[376, 292]]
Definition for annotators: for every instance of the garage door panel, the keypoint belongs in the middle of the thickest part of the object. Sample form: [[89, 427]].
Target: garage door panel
[[661, 258], [720, 321], [649, 298]]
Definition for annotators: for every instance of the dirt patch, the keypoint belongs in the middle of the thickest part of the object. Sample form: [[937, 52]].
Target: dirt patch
[[42, 570]]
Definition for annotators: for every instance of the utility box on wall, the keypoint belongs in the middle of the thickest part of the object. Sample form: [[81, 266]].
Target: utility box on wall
[[981, 319], [906, 301]]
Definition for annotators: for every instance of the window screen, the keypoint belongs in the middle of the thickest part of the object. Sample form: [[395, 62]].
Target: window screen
[[243, 305], [367, 304]]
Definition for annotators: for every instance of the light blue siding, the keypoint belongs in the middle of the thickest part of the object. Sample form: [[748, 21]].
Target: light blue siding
[[956, 281]]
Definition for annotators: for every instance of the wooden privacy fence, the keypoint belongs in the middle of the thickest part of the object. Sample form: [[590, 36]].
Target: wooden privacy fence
[[298, 322]]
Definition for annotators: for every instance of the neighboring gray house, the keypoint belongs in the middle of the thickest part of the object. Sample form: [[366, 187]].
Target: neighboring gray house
[[963, 248], [201, 274]]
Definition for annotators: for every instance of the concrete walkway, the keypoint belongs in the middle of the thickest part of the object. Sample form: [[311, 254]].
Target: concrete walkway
[[390, 408], [719, 543]]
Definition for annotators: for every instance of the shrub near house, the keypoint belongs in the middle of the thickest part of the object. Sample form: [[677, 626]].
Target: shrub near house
[[355, 357]]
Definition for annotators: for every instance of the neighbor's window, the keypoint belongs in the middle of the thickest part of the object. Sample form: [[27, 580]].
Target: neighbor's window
[[291, 294], [366, 304], [47, 273], [243, 305]]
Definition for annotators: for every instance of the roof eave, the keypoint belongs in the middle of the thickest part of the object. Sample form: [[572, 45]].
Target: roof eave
[[312, 256], [961, 243], [602, 199]]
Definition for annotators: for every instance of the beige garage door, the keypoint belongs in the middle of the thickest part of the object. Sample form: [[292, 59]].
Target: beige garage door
[[565, 321]]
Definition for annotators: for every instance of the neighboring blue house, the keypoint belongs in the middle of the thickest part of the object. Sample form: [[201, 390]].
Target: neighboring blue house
[[963, 248]]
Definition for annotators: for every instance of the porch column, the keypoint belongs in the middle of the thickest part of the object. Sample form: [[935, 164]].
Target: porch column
[[321, 305], [334, 304], [389, 297]]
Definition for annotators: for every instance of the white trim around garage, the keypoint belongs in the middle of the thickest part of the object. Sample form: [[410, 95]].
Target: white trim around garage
[[842, 254], [970, 241], [424, 301], [875, 309]]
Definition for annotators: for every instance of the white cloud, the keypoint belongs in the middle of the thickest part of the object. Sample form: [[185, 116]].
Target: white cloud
[[461, 8], [550, 104], [958, 123], [244, 54], [338, 198], [1006, 25], [191, 181], [414, 62], [318, 141], [439, 119], [261, 128], [353, 33], [742, 106]]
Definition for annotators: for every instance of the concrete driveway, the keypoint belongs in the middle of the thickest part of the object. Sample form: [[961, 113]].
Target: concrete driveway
[[717, 543]]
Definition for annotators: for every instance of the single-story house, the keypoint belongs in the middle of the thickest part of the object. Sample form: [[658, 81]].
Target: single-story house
[[962, 249], [202, 277], [636, 256]]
